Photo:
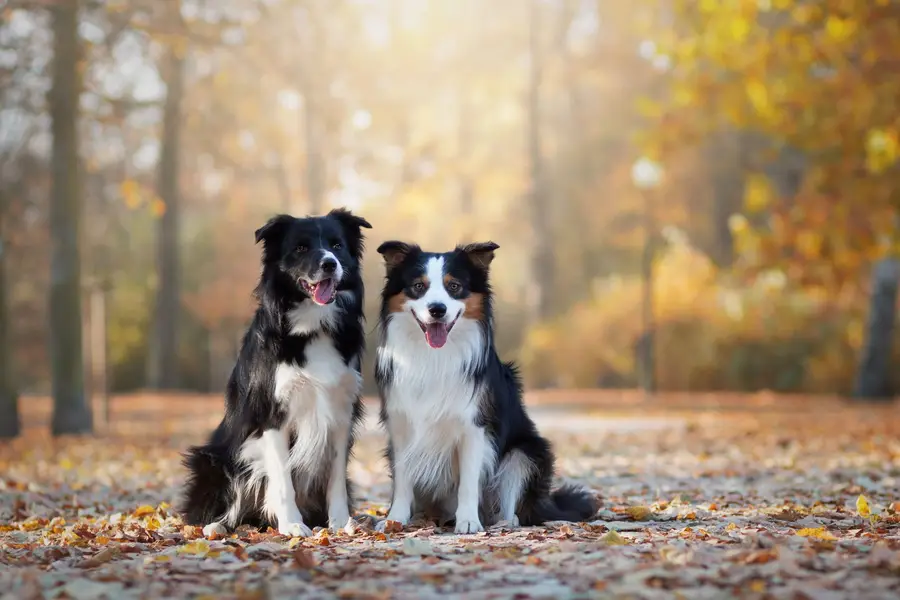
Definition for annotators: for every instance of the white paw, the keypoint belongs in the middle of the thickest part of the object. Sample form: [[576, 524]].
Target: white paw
[[294, 529], [339, 523], [468, 524], [214, 529]]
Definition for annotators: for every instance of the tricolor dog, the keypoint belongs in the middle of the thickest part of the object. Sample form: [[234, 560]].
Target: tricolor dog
[[462, 447]]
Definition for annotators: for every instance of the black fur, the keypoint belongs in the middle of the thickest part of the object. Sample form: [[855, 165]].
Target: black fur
[[293, 249], [501, 412]]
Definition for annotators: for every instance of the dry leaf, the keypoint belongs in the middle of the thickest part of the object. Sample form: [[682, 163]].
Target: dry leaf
[[818, 533], [102, 557], [612, 538], [639, 513], [862, 507], [304, 559]]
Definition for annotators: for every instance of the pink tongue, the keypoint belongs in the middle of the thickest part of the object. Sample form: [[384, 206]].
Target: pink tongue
[[324, 291], [436, 334]]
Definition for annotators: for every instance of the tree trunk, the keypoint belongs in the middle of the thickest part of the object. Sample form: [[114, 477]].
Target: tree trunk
[[164, 353], [873, 378], [70, 410], [9, 397], [542, 244]]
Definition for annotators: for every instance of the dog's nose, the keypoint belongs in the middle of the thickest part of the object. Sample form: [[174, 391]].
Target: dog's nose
[[437, 310], [329, 265]]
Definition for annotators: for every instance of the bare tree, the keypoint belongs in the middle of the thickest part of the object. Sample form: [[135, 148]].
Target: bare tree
[[164, 363], [873, 379], [9, 397], [70, 409]]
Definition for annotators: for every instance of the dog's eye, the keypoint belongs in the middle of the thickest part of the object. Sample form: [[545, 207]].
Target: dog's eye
[[301, 249], [453, 287], [418, 287], [337, 245]]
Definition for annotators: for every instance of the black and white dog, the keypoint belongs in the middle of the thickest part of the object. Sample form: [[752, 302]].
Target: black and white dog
[[279, 456], [461, 446]]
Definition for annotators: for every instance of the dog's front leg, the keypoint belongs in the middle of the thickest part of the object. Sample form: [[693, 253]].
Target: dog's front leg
[[338, 498], [402, 494], [281, 500], [472, 448]]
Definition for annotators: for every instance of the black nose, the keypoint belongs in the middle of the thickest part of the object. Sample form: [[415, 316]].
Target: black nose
[[437, 310], [329, 265]]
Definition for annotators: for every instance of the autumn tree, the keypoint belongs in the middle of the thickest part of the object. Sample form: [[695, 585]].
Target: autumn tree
[[70, 409]]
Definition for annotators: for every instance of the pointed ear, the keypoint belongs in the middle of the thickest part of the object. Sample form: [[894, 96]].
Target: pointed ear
[[348, 219], [273, 229], [394, 253], [481, 254]]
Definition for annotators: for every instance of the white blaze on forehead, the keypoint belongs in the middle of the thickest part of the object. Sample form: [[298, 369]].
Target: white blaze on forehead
[[436, 293]]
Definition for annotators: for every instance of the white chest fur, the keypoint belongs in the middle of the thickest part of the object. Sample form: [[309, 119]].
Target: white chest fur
[[430, 402], [318, 398]]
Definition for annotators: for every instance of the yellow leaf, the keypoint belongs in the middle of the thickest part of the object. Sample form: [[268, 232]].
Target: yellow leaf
[[158, 207], [66, 464], [143, 510], [757, 193], [759, 96], [862, 507], [648, 108], [101, 539], [818, 533], [731, 527], [739, 28], [758, 586], [152, 524], [639, 513], [131, 193], [612, 538], [197, 548], [162, 558], [840, 29]]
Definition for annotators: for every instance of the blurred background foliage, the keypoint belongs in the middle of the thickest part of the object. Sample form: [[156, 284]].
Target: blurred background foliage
[[776, 123]]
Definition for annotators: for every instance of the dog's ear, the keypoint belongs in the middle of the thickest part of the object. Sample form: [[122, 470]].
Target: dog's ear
[[481, 254], [352, 226], [394, 253], [273, 229]]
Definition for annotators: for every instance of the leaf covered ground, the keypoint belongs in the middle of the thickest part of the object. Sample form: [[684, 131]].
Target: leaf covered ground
[[762, 503]]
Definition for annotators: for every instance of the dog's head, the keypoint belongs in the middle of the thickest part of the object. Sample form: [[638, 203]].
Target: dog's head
[[437, 289], [317, 254]]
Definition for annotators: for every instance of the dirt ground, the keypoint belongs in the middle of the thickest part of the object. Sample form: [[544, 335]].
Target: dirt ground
[[707, 496]]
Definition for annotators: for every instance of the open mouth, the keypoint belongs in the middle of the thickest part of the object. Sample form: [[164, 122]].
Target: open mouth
[[322, 292], [436, 333]]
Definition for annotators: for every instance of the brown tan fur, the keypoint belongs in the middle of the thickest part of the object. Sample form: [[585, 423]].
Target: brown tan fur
[[474, 307]]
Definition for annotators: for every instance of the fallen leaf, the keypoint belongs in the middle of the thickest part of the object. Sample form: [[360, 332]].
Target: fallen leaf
[[304, 559], [196, 548], [102, 557], [639, 513], [417, 547], [392, 526], [818, 533], [862, 507], [612, 538], [143, 510]]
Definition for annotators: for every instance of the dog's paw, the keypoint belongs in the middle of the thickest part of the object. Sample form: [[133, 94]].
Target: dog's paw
[[214, 529], [466, 525], [342, 524], [294, 529]]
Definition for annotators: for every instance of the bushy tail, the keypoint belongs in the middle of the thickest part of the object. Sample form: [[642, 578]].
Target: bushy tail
[[567, 503], [207, 491]]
